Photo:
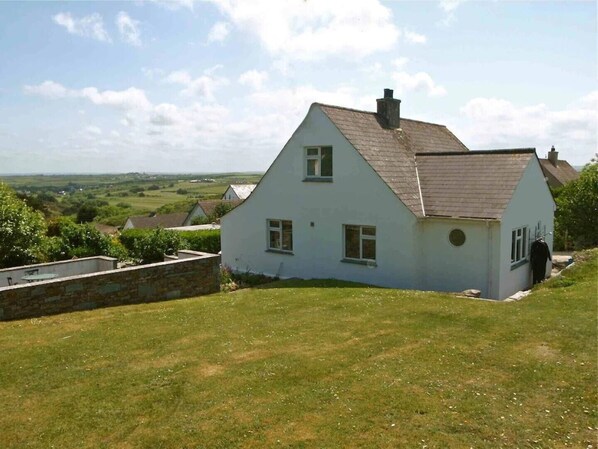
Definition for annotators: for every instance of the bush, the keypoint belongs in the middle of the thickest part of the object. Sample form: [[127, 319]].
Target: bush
[[206, 241], [154, 187], [577, 210], [182, 191], [152, 247], [69, 240], [22, 231]]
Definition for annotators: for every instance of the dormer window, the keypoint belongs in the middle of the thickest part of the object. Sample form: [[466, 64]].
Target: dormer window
[[318, 163]]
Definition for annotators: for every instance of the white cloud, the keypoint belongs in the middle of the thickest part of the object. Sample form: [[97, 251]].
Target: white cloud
[[314, 30], [449, 7], [415, 38], [219, 32], [128, 99], [419, 81], [94, 130], [253, 78], [88, 26], [48, 89], [400, 62], [203, 86], [128, 29], [498, 123], [175, 4]]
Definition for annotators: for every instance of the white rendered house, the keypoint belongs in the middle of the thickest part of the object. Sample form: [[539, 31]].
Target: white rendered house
[[375, 198], [236, 192]]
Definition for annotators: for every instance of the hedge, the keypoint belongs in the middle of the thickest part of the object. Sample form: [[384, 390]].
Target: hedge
[[206, 241]]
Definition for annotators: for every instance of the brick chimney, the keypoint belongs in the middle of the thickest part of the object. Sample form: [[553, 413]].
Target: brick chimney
[[553, 156], [389, 109]]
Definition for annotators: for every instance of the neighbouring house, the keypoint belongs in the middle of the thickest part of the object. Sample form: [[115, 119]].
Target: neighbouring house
[[557, 172], [376, 198], [238, 191], [155, 221], [206, 209]]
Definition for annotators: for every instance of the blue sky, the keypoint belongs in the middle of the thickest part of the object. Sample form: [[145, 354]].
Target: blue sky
[[220, 85]]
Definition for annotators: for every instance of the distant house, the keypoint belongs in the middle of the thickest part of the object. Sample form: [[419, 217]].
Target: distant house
[[376, 198], [557, 172], [238, 191], [155, 221], [205, 209]]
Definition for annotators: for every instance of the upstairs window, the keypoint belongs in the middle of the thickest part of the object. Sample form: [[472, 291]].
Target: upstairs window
[[519, 244], [318, 162], [360, 242], [280, 235]]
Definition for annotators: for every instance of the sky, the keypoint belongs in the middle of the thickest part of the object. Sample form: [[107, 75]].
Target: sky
[[203, 86]]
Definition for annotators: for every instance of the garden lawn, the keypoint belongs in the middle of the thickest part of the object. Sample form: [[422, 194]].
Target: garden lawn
[[307, 364]]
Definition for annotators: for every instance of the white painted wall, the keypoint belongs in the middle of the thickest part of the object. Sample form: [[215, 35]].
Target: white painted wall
[[356, 196], [195, 212], [63, 268], [230, 195], [531, 203], [449, 268]]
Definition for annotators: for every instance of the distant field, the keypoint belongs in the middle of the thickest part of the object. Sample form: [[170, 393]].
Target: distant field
[[143, 192], [310, 364]]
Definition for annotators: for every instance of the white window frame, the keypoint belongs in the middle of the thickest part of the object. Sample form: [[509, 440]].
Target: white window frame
[[362, 237], [318, 159], [520, 245], [279, 229]]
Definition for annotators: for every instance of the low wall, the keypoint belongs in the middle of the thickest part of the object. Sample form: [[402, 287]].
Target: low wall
[[62, 268], [145, 283]]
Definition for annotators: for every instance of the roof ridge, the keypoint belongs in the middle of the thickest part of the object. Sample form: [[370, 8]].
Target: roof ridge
[[468, 153], [374, 113]]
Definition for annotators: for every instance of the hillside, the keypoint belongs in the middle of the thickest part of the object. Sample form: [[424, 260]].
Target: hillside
[[310, 364]]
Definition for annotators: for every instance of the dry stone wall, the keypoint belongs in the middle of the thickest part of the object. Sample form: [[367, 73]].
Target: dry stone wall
[[134, 285]]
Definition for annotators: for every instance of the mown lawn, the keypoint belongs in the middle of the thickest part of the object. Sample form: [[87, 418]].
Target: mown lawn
[[309, 364]]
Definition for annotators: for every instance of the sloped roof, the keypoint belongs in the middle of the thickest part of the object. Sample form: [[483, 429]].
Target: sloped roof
[[560, 174], [208, 206], [163, 221], [391, 152], [474, 184], [242, 190]]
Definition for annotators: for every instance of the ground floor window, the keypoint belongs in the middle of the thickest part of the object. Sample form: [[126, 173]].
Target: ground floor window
[[519, 244], [280, 235], [360, 242]]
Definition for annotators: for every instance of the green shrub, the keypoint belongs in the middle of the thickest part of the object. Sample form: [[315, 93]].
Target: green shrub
[[206, 241], [68, 240], [22, 231], [153, 246]]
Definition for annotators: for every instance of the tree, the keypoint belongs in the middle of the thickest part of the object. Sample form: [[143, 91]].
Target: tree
[[577, 209], [87, 212], [22, 231]]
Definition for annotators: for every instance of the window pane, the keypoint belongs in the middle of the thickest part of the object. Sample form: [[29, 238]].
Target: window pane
[[513, 246], [352, 242], [368, 230], [312, 151], [326, 161], [368, 249], [524, 249], [275, 239], [518, 254], [312, 167], [287, 235], [274, 223]]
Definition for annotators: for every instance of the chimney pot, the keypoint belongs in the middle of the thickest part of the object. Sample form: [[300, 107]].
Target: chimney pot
[[389, 109], [553, 156]]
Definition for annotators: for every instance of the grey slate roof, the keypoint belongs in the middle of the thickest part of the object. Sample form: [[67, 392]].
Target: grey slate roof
[[158, 221], [559, 175], [390, 152], [475, 184]]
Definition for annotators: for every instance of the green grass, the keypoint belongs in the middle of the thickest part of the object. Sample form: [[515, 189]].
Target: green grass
[[307, 364]]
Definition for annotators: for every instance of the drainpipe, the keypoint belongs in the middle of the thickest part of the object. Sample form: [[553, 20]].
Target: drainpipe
[[489, 264]]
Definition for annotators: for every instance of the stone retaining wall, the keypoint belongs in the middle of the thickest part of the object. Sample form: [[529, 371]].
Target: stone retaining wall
[[146, 283]]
